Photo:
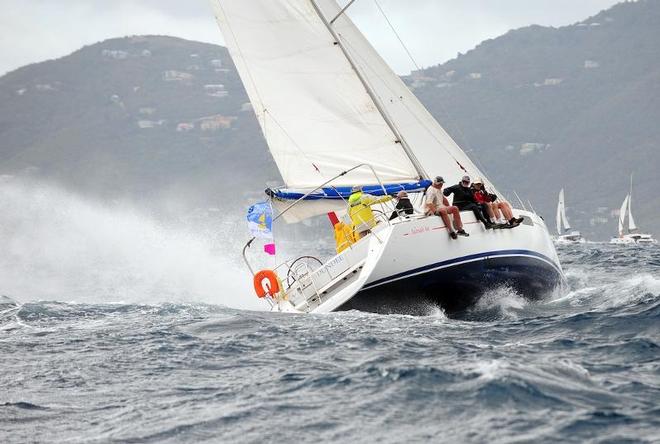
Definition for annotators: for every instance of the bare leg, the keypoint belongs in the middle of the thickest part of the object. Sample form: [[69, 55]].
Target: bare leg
[[442, 212], [458, 223], [494, 211], [506, 209]]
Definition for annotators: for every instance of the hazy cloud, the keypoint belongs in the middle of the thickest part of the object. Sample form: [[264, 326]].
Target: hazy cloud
[[433, 30]]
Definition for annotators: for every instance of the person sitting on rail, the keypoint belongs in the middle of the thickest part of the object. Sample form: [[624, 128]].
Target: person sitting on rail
[[464, 200], [437, 204], [403, 205], [495, 207], [359, 210]]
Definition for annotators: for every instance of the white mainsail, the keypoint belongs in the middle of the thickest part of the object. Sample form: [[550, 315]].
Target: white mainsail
[[622, 215], [314, 112], [322, 112]]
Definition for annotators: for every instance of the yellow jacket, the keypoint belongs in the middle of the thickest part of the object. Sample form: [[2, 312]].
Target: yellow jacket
[[360, 210]]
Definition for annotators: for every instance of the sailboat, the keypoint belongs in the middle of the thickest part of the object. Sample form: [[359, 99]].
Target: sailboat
[[335, 116], [631, 236], [563, 236]]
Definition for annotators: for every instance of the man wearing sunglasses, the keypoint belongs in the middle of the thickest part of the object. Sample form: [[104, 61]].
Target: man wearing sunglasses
[[464, 200]]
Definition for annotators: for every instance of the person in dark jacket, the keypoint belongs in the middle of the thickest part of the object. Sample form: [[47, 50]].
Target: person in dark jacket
[[403, 205], [495, 207], [465, 201]]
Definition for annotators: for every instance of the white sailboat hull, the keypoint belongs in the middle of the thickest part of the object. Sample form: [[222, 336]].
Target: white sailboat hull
[[416, 260], [570, 239], [634, 239]]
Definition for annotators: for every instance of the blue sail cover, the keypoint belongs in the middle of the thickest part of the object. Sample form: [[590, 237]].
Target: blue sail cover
[[343, 193]]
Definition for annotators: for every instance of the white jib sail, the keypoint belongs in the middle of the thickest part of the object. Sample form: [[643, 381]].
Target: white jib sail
[[314, 111], [622, 215]]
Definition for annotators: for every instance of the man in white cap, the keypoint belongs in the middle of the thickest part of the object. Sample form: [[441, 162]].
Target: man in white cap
[[437, 204]]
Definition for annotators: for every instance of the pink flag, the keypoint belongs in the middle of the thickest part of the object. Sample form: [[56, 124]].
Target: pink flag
[[270, 249]]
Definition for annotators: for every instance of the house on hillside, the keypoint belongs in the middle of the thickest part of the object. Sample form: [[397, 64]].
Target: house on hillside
[[591, 64], [146, 124], [215, 123], [114, 54], [216, 90], [549, 82], [177, 76], [184, 127], [532, 148]]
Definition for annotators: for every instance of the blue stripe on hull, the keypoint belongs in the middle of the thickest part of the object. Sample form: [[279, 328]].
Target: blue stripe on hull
[[456, 287]]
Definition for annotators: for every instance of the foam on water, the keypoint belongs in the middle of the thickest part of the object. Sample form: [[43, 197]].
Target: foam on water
[[574, 368], [62, 247]]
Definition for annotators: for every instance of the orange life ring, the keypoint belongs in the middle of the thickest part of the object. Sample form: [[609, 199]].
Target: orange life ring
[[273, 284]]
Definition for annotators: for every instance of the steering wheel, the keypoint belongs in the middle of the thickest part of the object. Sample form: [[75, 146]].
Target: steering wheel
[[290, 276]]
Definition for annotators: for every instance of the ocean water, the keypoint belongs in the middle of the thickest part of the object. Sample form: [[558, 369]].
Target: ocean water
[[149, 349]]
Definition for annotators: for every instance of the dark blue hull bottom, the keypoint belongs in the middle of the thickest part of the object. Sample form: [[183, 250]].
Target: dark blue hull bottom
[[460, 286]]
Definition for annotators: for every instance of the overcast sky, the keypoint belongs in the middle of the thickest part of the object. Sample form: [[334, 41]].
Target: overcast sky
[[433, 30]]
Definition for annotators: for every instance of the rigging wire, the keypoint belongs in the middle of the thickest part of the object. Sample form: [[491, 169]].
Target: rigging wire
[[397, 34], [442, 108]]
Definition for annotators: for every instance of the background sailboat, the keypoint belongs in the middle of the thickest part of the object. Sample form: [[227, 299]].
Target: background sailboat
[[563, 237], [335, 115], [629, 234]]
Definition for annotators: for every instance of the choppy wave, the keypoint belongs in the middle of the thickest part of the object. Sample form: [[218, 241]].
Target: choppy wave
[[147, 365]]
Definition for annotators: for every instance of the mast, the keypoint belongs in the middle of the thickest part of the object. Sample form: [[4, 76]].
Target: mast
[[370, 92]]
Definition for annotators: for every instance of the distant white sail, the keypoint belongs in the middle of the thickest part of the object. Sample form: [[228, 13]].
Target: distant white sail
[[561, 214], [631, 221], [560, 208], [312, 104], [622, 215]]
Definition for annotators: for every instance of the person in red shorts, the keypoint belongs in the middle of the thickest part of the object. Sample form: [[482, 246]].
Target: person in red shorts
[[437, 204]]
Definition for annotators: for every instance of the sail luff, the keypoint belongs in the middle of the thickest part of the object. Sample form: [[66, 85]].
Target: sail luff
[[379, 106]]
